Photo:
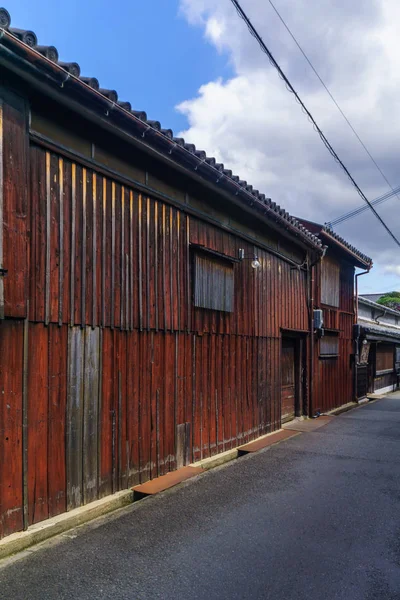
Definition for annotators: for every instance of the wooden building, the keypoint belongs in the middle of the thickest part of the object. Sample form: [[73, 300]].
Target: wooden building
[[378, 365], [333, 343], [154, 308]]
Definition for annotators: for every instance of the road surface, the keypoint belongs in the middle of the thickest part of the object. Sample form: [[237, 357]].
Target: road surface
[[315, 517]]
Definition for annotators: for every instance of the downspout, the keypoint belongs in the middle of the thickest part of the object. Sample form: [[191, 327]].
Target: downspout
[[311, 327], [357, 339], [380, 316], [357, 276]]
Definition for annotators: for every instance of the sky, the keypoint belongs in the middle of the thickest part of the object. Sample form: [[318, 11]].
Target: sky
[[193, 65]]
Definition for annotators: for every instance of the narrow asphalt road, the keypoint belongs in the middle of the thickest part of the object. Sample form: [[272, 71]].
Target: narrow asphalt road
[[315, 517]]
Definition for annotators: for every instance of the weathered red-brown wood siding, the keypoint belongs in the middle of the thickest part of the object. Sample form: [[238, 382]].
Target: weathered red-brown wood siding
[[333, 379], [123, 379]]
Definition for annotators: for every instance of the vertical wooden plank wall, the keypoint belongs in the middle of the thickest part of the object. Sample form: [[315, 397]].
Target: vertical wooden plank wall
[[126, 379], [13, 204], [13, 303], [333, 381]]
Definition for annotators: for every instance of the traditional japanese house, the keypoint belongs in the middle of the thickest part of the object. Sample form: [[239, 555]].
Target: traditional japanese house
[[378, 337], [154, 307], [333, 352]]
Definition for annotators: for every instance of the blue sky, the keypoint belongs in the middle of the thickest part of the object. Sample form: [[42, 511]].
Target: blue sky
[[158, 56], [145, 50]]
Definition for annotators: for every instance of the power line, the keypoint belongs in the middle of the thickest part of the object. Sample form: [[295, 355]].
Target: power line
[[363, 208], [331, 95], [291, 89]]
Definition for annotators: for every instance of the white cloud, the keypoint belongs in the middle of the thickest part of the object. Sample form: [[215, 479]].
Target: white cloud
[[254, 125], [393, 269]]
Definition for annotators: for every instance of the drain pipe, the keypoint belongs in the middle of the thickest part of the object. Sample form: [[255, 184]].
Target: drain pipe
[[356, 299], [357, 339]]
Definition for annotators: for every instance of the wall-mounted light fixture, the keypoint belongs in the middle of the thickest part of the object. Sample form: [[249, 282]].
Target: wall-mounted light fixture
[[255, 263]]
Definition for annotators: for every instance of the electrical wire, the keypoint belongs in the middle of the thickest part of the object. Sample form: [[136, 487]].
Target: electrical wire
[[291, 89], [331, 96], [362, 208]]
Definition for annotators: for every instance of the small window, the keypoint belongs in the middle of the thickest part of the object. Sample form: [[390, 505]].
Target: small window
[[330, 282], [329, 344], [213, 283]]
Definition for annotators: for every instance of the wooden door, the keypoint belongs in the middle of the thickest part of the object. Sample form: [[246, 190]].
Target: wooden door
[[288, 379]]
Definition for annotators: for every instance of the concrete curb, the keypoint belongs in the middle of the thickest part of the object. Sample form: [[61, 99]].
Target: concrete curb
[[40, 532], [45, 530], [224, 457], [218, 460], [342, 409]]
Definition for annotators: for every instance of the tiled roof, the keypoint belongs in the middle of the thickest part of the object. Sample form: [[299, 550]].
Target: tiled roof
[[328, 235], [177, 149], [342, 241], [379, 330], [365, 300]]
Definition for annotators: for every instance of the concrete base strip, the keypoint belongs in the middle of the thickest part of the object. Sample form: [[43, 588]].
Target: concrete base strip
[[44, 530], [217, 460], [309, 424]]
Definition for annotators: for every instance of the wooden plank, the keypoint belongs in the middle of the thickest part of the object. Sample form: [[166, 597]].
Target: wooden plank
[[13, 217], [33, 207], [90, 413], [118, 282], [164, 266], [140, 269], [48, 240], [1, 205], [154, 380], [58, 345], [53, 238], [168, 403], [133, 387], [74, 426], [73, 243], [188, 277], [131, 264], [61, 239], [147, 259], [11, 500], [39, 226], [166, 482], [122, 260], [79, 263], [107, 378], [38, 423], [95, 233], [104, 253], [113, 226], [180, 445], [84, 244], [135, 261], [66, 240], [25, 421], [156, 266], [122, 408], [89, 259], [126, 250], [171, 268], [266, 441]]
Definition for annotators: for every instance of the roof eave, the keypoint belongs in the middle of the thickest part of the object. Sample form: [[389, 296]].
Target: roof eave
[[44, 74], [355, 258]]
